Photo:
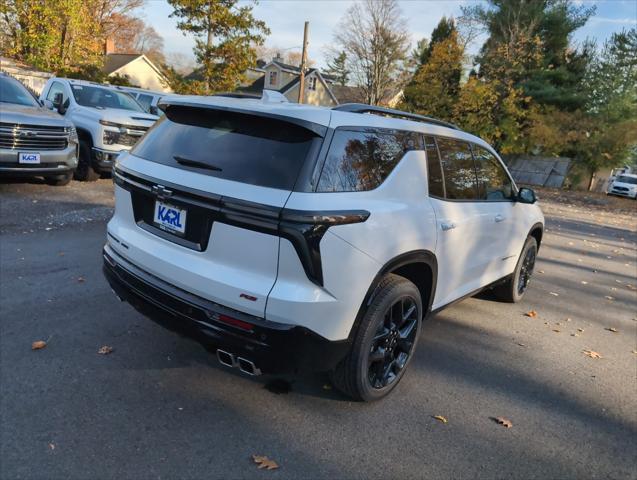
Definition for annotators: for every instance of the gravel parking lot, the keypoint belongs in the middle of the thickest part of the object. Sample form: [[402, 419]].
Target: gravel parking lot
[[160, 406]]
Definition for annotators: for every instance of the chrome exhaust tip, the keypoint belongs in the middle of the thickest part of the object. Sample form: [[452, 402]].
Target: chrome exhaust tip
[[226, 358], [247, 367]]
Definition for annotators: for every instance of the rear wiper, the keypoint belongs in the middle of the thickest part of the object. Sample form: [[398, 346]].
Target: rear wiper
[[194, 163]]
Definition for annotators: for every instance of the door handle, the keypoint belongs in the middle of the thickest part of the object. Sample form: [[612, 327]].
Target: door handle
[[499, 218], [447, 226]]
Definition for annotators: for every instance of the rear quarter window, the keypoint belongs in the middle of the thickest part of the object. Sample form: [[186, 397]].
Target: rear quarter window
[[360, 160], [233, 146]]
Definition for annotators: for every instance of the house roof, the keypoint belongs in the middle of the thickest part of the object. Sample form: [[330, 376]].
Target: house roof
[[347, 94], [286, 66], [115, 61]]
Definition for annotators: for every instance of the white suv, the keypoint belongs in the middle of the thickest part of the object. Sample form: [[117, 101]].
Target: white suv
[[107, 121], [291, 238]]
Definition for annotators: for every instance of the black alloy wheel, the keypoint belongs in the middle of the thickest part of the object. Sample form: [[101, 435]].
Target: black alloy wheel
[[526, 271], [393, 343]]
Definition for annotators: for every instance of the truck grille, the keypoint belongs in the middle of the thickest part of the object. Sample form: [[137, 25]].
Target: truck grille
[[32, 137]]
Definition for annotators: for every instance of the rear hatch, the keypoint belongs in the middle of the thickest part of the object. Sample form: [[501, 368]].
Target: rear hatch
[[199, 197]]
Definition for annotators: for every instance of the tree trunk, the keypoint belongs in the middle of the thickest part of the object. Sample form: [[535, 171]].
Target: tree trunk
[[207, 61], [592, 179]]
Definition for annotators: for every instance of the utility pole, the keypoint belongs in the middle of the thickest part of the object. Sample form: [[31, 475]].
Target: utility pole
[[303, 63]]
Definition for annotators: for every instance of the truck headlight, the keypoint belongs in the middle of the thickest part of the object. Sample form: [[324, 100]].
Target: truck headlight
[[73, 138]]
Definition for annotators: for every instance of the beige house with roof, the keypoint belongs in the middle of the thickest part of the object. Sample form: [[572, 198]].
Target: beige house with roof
[[140, 71]]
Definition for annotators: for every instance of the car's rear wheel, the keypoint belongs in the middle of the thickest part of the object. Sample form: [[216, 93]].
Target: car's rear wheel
[[59, 180], [516, 285], [384, 343], [85, 171]]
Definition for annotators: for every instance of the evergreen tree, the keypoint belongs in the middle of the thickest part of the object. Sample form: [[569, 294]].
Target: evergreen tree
[[434, 88], [419, 54], [225, 37], [337, 67]]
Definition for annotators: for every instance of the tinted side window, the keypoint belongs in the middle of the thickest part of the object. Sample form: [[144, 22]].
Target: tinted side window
[[434, 171], [362, 160], [493, 182], [459, 169], [56, 87]]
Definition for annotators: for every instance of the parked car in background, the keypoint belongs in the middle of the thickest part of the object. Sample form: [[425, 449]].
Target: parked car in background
[[146, 98], [292, 238], [34, 141], [625, 185], [107, 121]]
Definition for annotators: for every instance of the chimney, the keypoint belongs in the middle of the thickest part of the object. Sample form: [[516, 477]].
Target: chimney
[[109, 46]]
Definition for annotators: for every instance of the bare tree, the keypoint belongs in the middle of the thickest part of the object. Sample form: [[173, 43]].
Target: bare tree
[[373, 36]]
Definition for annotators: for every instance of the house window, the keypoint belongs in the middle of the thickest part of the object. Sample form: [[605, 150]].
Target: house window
[[312, 83], [273, 78]]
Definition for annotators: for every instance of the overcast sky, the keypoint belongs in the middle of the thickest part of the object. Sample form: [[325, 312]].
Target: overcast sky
[[285, 19]]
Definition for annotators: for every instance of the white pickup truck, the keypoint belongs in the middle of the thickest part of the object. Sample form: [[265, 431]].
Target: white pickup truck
[[107, 121]]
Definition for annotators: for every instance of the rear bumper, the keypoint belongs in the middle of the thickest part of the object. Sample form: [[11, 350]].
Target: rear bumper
[[273, 347]]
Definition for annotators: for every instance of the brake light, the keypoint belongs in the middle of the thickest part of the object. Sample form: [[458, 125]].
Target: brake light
[[235, 322]]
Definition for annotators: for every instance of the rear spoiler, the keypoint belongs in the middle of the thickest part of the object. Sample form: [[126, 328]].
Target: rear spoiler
[[166, 104]]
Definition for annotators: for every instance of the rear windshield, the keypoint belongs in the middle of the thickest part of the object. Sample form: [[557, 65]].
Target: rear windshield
[[626, 179], [233, 146]]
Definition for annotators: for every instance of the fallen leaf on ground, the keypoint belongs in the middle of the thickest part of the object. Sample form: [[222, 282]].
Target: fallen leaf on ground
[[522, 344], [37, 345], [574, 335], [531, 314], [611, 329], [608, 297], [440, 418], [503, 421], [556, 330], [265, 462], [105, 350], [584, 282], [554, 294], [51, 446], [591, 353], [80, 280], [580, 329]]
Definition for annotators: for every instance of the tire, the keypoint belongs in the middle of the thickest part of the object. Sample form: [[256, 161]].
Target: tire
[[59, 180], [84, 171], [358, 375], [512, 291]]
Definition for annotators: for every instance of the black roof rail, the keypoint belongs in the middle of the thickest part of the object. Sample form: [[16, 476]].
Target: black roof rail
[[390, 112]]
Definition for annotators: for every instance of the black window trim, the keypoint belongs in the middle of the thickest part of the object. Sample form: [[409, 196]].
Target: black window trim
[[315, 177]]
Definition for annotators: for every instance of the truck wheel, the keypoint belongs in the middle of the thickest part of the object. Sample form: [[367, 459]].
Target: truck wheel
[[59, 180], [515, 287], [384, 343], [84, 171]]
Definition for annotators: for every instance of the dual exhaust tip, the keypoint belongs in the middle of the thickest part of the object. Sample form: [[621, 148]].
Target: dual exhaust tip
[[232, 361]]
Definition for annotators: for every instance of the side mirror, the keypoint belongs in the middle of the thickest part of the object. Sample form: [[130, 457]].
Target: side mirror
[[59, 103], [526, 195]]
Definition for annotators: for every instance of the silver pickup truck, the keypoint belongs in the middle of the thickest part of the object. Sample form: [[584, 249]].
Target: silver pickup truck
[[34, 141]]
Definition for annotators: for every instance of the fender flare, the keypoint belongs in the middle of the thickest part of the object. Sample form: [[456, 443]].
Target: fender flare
[[415, 256], [537, 226]]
